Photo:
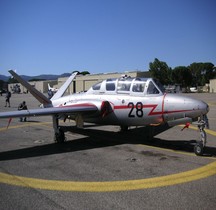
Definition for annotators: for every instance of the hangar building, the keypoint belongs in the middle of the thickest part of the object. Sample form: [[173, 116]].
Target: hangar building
[[81, 82]]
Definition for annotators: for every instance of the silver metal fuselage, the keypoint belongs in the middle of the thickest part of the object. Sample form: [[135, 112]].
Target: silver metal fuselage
[[148, 106]]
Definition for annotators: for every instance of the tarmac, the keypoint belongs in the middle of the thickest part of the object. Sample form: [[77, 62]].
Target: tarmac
[[101, 168]]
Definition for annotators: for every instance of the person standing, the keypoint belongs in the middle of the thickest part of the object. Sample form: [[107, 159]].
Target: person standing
[[22, 106], [7, 101]]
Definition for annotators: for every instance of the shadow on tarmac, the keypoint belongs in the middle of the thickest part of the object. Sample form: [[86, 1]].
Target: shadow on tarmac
[[101, 139]]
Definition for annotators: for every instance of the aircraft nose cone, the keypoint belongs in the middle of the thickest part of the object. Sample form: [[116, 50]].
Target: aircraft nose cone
[[204, 107], [207, 108], [178, 106]]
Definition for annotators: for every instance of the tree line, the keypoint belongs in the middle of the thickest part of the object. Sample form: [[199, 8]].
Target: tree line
[[196, 74]]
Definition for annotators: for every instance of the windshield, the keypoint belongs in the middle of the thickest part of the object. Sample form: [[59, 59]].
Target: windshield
[[160, 86], [152, 89]]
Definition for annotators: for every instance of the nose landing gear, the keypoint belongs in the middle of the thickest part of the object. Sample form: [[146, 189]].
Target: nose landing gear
[[199, 147]]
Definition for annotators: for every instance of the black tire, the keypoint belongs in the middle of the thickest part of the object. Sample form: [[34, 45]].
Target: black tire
[[198, 149], [60, 137]]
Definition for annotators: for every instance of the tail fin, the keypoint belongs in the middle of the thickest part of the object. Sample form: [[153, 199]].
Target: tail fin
[[38, 95], [64, 87]]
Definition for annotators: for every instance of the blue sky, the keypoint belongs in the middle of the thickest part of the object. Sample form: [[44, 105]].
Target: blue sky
[[100, 36]]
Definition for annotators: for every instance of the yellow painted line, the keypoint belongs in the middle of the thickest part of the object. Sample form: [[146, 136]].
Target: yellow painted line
[[110, 186], [212, 104], [211, 132], [173, 179]]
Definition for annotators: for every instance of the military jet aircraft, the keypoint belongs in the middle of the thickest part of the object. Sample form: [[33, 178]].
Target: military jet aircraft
[[124, 101]]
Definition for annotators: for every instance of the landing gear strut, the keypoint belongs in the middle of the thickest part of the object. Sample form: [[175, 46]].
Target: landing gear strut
[[59, 133], [199, 147]]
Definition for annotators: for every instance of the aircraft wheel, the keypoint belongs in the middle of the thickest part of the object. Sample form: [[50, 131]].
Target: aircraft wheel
[[60, 136], [198, 149]]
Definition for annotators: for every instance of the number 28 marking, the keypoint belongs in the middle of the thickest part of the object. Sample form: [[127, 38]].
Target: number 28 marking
[[136, 109]]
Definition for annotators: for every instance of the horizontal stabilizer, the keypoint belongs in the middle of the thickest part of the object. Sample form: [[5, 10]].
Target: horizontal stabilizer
[[38, 95]]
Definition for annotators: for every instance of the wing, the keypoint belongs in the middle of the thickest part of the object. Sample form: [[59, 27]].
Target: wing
[[74, 109]]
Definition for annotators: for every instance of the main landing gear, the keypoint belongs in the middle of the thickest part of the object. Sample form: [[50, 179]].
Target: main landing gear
[[59, 133], [59, 136], [199, 147]]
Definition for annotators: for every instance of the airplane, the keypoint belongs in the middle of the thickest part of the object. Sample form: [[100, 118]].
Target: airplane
[[54, 90], [121, 101], [51, 91]]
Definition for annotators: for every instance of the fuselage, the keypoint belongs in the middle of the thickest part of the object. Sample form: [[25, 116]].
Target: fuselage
[[134, 102]]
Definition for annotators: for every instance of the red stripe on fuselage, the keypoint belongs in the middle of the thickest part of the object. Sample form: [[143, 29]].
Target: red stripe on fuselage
[[153, 107]]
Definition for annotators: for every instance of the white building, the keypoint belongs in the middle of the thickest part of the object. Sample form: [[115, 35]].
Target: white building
[[212, 86]]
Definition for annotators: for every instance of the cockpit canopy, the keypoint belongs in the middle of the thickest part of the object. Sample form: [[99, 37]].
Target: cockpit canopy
[[128, 85]]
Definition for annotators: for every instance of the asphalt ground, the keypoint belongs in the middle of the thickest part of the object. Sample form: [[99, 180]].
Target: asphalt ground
[[102, 168]]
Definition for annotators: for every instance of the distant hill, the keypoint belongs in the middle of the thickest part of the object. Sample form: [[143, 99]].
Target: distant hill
[[4, 78], [40, 77]]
